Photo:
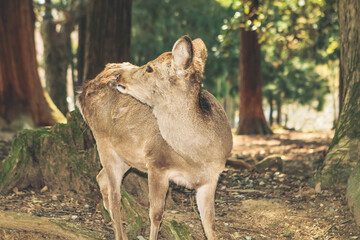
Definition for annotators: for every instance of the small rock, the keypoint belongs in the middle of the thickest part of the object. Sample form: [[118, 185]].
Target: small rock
[[74, 217], [262, 183], [86, 206], [190, 225], [54, 197]]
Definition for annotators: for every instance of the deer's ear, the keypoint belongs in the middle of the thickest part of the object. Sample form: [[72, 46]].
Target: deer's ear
[[200, 54], [183, 52]]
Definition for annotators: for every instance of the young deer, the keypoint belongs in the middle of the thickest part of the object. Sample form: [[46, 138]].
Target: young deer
[[156, 118]]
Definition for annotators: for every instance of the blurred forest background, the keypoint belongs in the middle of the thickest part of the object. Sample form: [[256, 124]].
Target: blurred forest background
[[297, 66]]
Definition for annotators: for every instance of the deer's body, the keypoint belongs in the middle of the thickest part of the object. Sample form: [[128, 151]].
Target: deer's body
[[171, 129]]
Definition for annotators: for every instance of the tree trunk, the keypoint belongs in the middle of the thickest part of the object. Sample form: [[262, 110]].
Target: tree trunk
[[341, 89], [278, 107], [56, 57], [81, 50], [107, 35], [271, 119], [343, 153], [21, 93], [252, 119]]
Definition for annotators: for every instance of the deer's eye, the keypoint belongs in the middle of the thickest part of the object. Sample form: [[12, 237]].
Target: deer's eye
[[149, 69]]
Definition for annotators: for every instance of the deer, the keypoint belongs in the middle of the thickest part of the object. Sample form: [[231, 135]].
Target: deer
[[158, 119]]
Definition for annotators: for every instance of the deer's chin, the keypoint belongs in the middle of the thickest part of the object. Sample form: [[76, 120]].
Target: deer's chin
[[121, 88]]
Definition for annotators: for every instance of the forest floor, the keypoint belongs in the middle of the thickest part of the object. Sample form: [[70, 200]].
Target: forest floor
[[277, 203]]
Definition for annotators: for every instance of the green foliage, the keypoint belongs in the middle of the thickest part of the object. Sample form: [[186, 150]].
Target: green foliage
[[157, 24], [295, 36]]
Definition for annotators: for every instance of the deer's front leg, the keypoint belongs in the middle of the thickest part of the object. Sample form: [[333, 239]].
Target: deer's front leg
[[103, 182], [158, 187], [205, 198]]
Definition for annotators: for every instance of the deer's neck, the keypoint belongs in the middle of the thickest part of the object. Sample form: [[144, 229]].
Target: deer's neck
[[184, 127]]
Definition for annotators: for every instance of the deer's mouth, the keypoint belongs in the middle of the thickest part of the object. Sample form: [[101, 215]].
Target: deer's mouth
[[121, 88]]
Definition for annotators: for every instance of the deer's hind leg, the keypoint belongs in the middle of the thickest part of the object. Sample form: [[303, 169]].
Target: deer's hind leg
[[109, 180], [158, 187], [205, 198]]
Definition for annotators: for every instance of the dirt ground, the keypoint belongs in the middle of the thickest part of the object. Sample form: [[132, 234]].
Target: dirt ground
[[277, 203]]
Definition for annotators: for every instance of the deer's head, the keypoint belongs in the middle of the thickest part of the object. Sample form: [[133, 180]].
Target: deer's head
[[172, 73]]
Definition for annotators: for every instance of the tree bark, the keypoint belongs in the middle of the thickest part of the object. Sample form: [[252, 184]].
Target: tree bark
[[278, 107], [107, 35], [252, 119], [271, 104], [21, 93], [56, 57], [81, 50], [343, 153]]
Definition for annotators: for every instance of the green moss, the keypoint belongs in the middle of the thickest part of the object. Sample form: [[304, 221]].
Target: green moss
[[135, 215], [176, 230], [85, 233], [334, 175]]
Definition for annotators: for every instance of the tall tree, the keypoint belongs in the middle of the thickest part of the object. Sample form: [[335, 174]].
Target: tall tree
[[56, 56], [343, 153], [107, 35], [252, 119], [21, 93]]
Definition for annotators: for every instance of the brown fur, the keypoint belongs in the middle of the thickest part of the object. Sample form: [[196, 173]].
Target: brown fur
[[167, 126]]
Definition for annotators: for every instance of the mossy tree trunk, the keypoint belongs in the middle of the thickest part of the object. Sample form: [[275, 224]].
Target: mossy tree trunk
[[343, 153], [343, 157]]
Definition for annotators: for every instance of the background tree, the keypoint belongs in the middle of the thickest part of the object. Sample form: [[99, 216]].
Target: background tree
[[21, 94], [107, 35], [56, 57], [292, 45], [58, 49], [251, 115]]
